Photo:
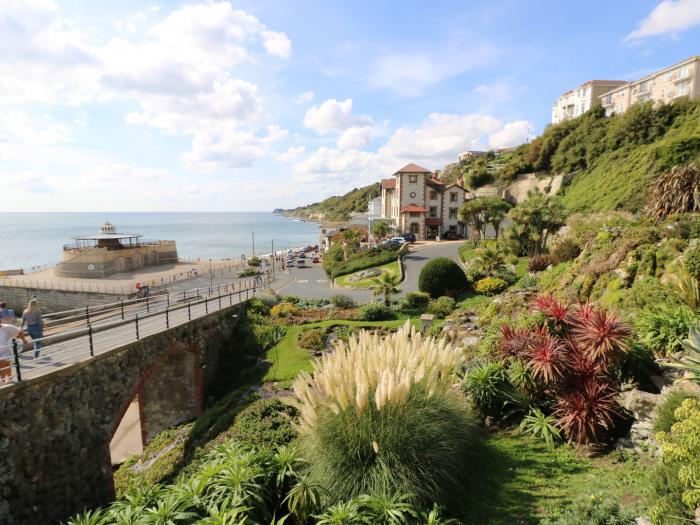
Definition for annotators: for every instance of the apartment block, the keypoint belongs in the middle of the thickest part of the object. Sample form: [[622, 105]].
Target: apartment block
[[681, 80], [576, 102]]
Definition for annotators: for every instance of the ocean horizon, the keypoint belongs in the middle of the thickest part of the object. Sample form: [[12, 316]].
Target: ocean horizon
[[32, 239]]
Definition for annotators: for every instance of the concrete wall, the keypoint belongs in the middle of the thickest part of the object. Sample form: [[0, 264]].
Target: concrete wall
[[53, 300], [102, 262], [55, 430]]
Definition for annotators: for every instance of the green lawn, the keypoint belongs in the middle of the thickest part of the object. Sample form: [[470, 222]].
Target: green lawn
[[288, 359], [344, 280], [523, 481]]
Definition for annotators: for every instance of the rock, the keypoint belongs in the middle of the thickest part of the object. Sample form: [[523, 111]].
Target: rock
[[661, 382], [624, 444], [643, 520], [641, 404]]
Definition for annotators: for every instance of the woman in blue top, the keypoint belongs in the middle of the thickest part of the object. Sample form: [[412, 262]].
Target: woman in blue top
[[34, 324]]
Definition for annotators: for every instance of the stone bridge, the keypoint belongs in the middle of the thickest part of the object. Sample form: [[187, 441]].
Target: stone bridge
[[56, 428]]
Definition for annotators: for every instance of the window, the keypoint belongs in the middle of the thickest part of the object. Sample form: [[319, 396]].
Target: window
[[432, 211], [682, 89], [453, 213], [683, 72], [415, 228], [453, 196], [413, 179], [412, 194], [433, 195], [414, 214]]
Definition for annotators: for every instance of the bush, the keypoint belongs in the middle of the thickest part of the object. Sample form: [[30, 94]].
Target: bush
[[314, 340], [596, 510], [486, 384], [528, 281], [566, 249], [258, 306], [269, 298], [371, 424], [249, 272], [291, 299], [342, 301], [374, 312], [692, 261], [376, 256], [666, 411], [264, 423], [539, 262], [284, 310], [441, 276], [416, 300], [254, 261], [490, 286], [663, 329], [441, 307], [638, 365]]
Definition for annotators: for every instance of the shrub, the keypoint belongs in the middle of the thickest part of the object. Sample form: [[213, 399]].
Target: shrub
[[258, 306], [541, 426], [269, 298], [490, 286], [416, 300], [264, 423], [528, 281], [380, 418], [441, 276], [692, 261], [638, 365], [291, 299], [596, 510], [539, 262], [254, 261], [441, 307], [666, 410], [284, 310], [676, 191], [376, 256], [566, 249], [342, 301], [374, 312], [485, 385], [663, 328], [681, 447], [314, 340], [249, 272]]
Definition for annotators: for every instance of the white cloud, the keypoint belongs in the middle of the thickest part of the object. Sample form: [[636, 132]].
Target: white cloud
[[19, 127], [512, 134], [332, 171], [291, 154], [304, 98], [277, 44], [133, 22], [409, 74], [356, 138], [669, 17], [333, 115]]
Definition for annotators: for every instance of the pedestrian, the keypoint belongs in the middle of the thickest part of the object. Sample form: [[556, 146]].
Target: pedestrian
[[6, 315], [34, 324], [8, 332]]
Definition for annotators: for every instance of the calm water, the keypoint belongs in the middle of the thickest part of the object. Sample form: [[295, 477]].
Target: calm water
[[31, 239]]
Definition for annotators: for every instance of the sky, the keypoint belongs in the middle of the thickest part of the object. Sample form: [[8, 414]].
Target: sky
[[254, 105]]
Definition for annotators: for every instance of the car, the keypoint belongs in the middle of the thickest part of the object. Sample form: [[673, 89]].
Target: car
[[302, 256], [409, 237], [301, 263], [450, 235], [400, 240], [316, 259]]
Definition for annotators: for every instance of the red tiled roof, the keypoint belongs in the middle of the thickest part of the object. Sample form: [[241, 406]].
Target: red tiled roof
[[413, 168], [413, 208], [433, 221], [388, 184], [435, 184]]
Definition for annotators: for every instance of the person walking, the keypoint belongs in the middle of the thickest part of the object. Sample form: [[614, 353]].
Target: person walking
[[6, 315], [34, 324], [8, 332]]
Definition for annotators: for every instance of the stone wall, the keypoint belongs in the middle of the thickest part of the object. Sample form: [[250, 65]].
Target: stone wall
[[53, 300], [55, 430]]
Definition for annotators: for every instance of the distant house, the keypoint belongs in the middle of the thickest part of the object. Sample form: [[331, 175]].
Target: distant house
[[469, 155], [576, 102], [328, 230], [415, 201], [374, 208]]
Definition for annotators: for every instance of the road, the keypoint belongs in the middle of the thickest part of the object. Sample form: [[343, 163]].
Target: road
[[312, 281]]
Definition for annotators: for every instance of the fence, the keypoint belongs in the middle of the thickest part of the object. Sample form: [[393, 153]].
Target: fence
[[95, 330]]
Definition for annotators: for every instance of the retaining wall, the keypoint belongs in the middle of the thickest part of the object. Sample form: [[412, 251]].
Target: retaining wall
[[53, 300]]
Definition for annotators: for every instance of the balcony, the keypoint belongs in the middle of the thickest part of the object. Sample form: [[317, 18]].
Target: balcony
[[677, 76]]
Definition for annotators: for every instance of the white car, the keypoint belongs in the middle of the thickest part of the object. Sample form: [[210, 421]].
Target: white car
[[400, 240]]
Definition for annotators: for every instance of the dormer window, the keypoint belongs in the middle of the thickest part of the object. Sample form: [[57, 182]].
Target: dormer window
[[453, 196]]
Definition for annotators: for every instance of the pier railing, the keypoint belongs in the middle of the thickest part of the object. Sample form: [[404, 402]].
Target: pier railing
[[85, 333]]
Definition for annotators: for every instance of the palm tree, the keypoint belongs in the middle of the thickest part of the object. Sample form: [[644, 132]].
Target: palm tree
[[381, 229], [490, 257], [351, 239], [386, 285]]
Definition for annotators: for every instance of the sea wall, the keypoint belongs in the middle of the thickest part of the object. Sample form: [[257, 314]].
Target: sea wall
[[55, 430], [53, 300]]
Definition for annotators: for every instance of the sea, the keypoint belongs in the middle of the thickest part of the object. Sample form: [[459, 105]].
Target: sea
[[32, 240]]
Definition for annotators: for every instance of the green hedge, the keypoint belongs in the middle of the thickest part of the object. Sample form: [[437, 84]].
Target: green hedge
[[334, 265], [441, 276]]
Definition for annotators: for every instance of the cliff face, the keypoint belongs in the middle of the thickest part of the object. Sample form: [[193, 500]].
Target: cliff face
[[337, 208]]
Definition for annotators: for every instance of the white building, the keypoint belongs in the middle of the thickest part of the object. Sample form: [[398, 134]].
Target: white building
[[576, 102], [374, 207]]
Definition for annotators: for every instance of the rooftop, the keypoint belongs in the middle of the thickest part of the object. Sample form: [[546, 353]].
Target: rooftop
[[413, 168], [413, 208], [107, 231], [388, 184]]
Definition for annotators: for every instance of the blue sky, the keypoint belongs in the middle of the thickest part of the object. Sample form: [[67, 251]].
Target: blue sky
[[253, 105]]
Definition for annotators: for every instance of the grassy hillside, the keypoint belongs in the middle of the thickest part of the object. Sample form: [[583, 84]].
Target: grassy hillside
[[338, 208]]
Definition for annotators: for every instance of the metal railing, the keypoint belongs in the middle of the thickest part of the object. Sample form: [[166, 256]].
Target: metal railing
[[95, 330]]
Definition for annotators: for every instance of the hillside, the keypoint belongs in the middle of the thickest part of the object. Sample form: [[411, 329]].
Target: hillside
[[338, 208], [611, 161]]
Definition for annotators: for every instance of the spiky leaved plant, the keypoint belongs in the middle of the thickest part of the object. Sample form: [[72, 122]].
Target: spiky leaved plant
[[379, 416], [676, 191]]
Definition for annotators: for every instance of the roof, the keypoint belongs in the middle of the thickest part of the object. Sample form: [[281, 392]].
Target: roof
[[388, 184], [413, 208], [334, 224], [433, 221], [104, 236], [435, 184], [413, 168], [455, 184]]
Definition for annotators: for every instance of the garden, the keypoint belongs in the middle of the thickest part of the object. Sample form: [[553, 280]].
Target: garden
[[558, 383]]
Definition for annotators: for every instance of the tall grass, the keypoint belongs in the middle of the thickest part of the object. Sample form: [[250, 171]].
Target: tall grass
[[380, 417]]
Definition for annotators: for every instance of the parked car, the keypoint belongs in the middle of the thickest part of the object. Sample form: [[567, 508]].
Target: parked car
[[301, 263], [450, 235], [302, 255], [400, 240], [316, 259], [409, 237], [289, 262]]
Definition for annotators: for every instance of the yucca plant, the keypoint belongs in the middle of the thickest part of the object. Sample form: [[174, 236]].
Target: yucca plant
[[385, 286], [546, 356], [90, 517], [687, 286], [690, 362], [395, 509], [379, 417], [343, 513], [676, 191], [541, 426]]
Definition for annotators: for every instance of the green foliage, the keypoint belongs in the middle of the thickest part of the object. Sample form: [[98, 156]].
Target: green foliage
[[596, 510], [342, 301], [385, 286], [264, 423], [692, 261], [490, 286], [666, 410], [248, 272], [284, 310], [441, 307], [648, 293], [314, 340], [534, 220], [270, 299], [541, 426], [381, 229], [339, 208], [637, 366], [663, 328], [416, 300], [538, 262], [564, 250], [490, 259], [441, 276], [485, 211], [375, 312], [690, 361], [335, 266], [254, 261], [485, 385]]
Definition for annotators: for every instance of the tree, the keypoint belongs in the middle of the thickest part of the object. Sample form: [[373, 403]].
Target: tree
[[485, 211], [380, 229], [533, 221], [350, 239], [386, 285], [490, 257]]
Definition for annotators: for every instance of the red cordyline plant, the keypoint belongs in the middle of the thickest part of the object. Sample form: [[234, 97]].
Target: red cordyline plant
[[572, 353]]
